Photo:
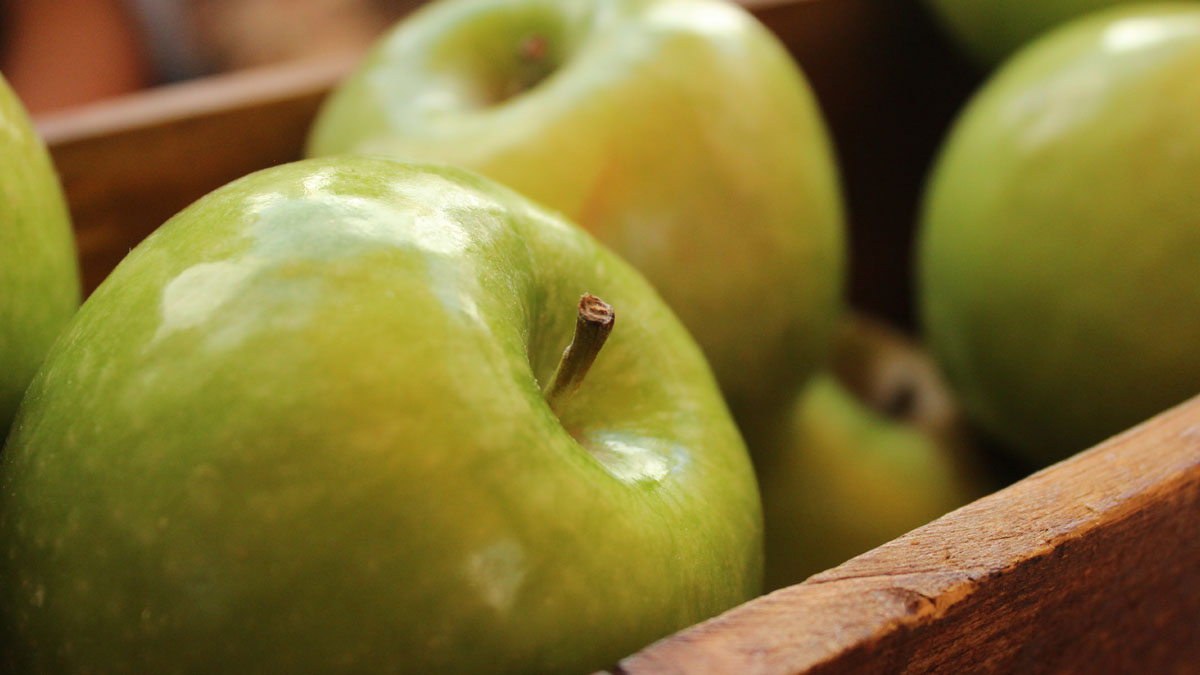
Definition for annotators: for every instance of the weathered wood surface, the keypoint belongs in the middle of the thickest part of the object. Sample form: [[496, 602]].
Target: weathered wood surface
[[1089, 566]]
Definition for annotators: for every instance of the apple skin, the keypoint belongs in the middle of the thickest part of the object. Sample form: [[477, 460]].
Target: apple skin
[[991, 30], [679, 132], [870, 449], [1058, 253], [299, 429], [39, 274]]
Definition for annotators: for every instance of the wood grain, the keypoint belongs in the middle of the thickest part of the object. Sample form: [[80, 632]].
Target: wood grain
[[1089, 566]]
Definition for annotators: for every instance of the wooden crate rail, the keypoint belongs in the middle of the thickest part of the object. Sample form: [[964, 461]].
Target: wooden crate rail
[[1090, 566]]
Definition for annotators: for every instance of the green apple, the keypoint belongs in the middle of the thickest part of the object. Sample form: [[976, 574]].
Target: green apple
[[868, 451], [992, 29], [300, 429], [679, 132], [39, 274], [1059, 254]]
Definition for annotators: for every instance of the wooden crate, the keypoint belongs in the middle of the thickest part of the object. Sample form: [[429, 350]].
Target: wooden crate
[[1092, 565]]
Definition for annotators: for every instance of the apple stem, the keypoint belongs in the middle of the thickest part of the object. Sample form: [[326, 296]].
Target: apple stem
[[592, 325]]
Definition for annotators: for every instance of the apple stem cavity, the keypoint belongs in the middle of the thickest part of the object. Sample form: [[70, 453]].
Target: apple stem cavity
[[593, 324], [534, 64], [534, 49]]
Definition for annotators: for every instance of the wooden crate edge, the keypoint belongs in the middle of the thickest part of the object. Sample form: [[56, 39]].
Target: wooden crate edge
[[1057, 570]]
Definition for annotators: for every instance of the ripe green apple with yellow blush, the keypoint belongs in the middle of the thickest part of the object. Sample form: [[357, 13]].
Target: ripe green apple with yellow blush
[[321, 421], [1059, 252], [679, 132], [868, 450], [39, 275], [991, 30]]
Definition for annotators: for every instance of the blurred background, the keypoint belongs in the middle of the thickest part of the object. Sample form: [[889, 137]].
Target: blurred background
[[67, 52], [888, 80]]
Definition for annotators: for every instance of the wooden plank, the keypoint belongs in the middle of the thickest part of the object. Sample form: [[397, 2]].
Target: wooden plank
[[1089, 566]]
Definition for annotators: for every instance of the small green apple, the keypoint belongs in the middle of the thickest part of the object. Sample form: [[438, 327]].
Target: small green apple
[[1060, 244], [867, 451], [992, 29], [39, 274], [300, 429], [679, 132]]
